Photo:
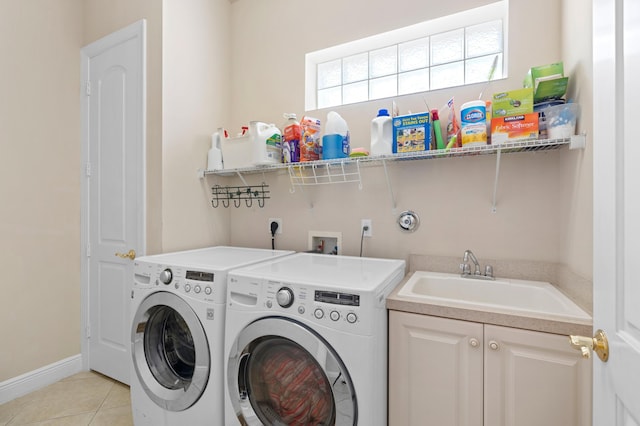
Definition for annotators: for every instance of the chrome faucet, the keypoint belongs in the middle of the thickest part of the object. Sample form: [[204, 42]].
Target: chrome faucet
[[466, 269]]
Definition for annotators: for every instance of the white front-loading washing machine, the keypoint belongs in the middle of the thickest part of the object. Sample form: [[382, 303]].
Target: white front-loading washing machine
[[177, 334], [306, 341]]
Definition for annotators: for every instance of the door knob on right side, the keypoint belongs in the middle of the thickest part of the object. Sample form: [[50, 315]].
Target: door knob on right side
[[598, 343]]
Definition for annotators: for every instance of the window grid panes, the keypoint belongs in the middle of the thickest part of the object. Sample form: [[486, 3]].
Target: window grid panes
[[446, 59]]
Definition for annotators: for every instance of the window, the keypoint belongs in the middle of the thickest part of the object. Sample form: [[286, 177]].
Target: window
[[450, 51]]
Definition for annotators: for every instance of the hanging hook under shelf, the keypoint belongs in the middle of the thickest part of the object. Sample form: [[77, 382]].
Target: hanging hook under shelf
[[247, 193]]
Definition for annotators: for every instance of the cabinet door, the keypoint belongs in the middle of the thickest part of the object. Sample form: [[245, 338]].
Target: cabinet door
[[435, 371], [534, 379]]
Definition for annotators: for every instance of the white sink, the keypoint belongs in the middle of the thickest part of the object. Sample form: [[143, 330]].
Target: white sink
[[517, 297]]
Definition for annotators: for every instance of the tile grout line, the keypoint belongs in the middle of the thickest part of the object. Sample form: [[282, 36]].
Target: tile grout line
[[113, 384]]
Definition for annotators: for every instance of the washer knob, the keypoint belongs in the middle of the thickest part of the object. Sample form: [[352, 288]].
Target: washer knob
[[351, 318], [318, 313], [284, 296], [207, 290], [187, 288], [334, 315], [197, 289], [166, 276]]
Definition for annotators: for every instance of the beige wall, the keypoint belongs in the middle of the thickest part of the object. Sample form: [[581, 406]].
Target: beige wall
[[195, 91], [543, 204], [40, 45]]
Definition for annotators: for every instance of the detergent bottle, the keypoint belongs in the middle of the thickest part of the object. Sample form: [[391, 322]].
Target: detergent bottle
[[381, 134], [291, 132], [214, 157], [335, 142], [267, 143]]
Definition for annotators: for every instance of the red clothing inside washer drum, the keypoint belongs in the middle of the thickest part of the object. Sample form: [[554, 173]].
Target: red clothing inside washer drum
[[296, 388]]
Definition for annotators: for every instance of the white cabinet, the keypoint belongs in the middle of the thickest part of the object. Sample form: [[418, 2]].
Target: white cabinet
[[450, 372]]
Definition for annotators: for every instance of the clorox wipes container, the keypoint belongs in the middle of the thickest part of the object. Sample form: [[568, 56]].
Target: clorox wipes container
[[473, 123]]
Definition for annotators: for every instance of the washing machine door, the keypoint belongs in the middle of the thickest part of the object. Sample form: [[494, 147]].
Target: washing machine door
[[170, 351], [281, 372]]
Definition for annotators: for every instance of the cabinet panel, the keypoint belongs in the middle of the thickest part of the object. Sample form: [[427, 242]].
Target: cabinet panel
[[435, 371], [534, 379]]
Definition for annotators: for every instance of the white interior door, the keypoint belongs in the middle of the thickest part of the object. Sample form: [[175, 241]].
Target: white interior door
[[113, 70], [616, 297]]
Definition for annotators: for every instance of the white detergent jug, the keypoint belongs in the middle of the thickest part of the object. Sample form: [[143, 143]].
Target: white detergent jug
[[266, 142]]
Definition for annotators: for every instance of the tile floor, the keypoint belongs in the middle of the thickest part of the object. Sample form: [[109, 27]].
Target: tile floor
[[84, 399]]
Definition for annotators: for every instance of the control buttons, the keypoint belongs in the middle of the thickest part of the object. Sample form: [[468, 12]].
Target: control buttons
[[269, 304], [334, 315], [166, 276], [494, 345], [352, 318], [187, 288], [474, 342], [207, 290], [318, 313], [197, 289], [301, 310], [284, 296]]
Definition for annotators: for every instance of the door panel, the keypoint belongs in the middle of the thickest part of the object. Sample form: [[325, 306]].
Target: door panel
[[113, 217], [616, 153]]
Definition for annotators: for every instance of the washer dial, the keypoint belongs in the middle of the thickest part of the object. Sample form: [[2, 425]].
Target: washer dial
[[166, 276], [284, 296]]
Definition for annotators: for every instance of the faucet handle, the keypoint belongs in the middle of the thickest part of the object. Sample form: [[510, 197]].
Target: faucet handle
[[488, 271], [465, 268]]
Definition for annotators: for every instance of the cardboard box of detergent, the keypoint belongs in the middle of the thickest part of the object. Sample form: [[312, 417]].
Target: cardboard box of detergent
[[411, 133], [513, 102]]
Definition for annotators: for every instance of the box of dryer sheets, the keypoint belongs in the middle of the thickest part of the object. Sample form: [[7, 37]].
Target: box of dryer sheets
[[513, 102], [514, 127], [411, 133], [547, 81]]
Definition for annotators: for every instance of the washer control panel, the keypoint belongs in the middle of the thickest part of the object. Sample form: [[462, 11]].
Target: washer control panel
[[337, 310], [186, 281]]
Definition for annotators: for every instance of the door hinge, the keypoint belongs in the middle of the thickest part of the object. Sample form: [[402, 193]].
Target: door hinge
[[88, 332], [88, 88], [88, 170], [88, 250]]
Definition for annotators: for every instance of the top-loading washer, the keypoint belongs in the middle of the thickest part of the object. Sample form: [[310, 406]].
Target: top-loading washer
[[177, 335], [306, 341]]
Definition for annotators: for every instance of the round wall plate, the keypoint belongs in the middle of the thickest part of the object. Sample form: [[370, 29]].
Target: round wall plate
[[408, 221]]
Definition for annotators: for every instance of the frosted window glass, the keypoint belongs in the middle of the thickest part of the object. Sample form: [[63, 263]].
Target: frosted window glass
[[329, 74], [447, 75], [329, 97], [413, 55], [383, 62], [355, 92], [355, 68], [383, 87], [484, 39], [477, 69], [447, 47], [414, 81]]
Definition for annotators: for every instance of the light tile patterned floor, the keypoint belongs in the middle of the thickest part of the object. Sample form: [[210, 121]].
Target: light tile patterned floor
[[84, 399]]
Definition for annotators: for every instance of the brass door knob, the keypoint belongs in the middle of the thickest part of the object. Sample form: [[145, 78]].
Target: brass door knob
[[598, 343], [130, 255]]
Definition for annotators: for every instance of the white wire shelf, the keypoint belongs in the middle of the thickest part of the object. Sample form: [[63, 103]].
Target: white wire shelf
[[316, 169], [347, 170]]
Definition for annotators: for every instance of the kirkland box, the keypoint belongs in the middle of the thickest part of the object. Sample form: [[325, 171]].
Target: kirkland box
[[513, 102], [411, 133], [514, 127]]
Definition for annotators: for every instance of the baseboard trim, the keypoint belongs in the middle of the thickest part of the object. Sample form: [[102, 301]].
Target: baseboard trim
[[36, 379]]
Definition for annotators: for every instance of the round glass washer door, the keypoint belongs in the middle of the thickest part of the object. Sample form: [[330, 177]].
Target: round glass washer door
[[283, 373], [170, 351]]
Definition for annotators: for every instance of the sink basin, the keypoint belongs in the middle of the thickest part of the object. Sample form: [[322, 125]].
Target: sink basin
[[516, 297]]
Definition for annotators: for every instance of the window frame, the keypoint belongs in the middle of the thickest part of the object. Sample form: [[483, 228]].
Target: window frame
[[462, 20]]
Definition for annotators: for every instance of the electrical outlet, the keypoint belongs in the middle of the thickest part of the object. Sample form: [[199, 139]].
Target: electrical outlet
[[276, 220], [367, 223]]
